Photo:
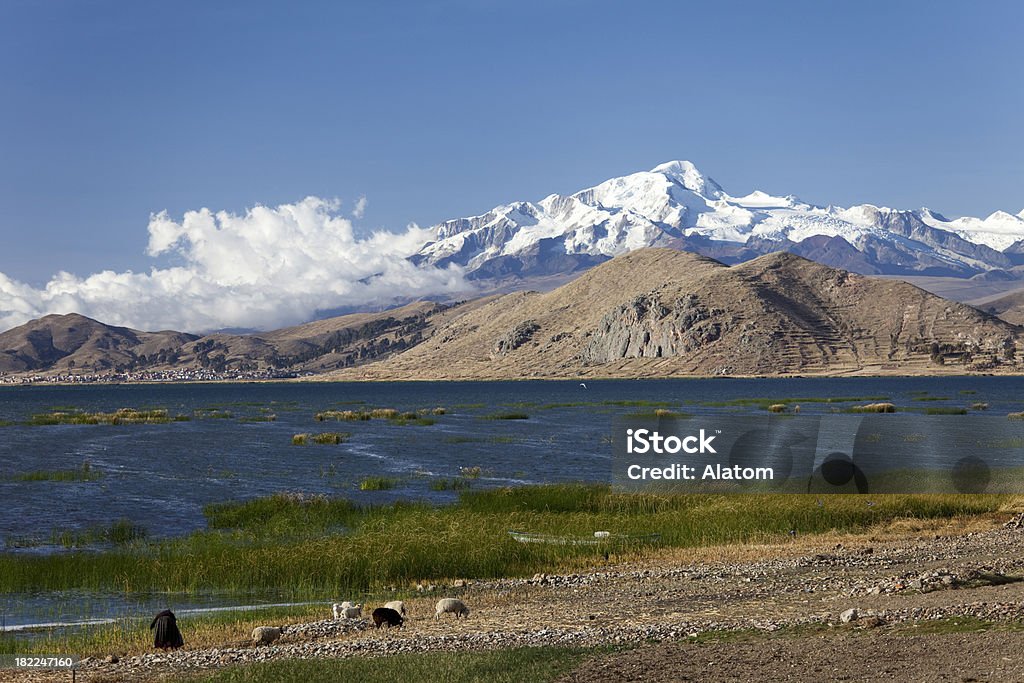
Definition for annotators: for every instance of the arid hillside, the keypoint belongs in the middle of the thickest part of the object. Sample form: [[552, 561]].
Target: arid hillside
[[663, 313]]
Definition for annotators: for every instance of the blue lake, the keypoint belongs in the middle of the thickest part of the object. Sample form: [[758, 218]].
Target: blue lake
[[160, 476]]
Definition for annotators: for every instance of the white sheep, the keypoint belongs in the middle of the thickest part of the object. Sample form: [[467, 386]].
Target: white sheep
[[353, 612], [452, 605], [337, 608], [396, 605], [265, 635]]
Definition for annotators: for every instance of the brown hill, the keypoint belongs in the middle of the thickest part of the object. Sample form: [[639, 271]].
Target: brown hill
[[76, 342], [661, 312], [1009, 307], [332, 343], [73, 343]]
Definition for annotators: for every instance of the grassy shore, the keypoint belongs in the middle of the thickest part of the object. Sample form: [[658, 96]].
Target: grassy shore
[[312, 547]]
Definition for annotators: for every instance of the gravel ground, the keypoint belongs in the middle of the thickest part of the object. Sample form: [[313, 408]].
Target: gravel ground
[[826, 608]]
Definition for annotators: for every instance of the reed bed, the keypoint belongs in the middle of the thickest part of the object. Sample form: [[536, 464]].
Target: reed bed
[[456, 484], [330, 438], [321, 439], [378, 484], [291, 544], [763, 403], [121, 416], [874, 408], [352, 415], [945, 411], [507, 416], [85, 472], [213, 414], [394, 415]]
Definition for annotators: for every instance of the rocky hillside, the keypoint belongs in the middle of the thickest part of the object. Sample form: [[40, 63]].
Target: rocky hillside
[[75, 342], [79, 345], [1009, 307], [662, 312]]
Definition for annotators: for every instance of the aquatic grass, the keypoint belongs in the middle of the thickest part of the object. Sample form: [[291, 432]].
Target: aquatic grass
[[351, 415], [377, 484], [282, 513], [119, 533], [765, 402], [944, 410], [210, 413], [330, 438], [659, 413], [86, 472], [931, 398], [600, 403], [412, 419], [122, 416], [324, 438], [290, 543], [506, 416], [456, 484], [873, 408], [258, 418]]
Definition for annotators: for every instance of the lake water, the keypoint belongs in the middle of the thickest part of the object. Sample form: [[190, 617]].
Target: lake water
[[160, 476]]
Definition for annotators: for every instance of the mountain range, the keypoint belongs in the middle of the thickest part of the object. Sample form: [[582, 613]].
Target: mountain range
[[675, 205], [652, 312]]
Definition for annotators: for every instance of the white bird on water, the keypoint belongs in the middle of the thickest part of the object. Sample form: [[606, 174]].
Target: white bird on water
[[583, 385]]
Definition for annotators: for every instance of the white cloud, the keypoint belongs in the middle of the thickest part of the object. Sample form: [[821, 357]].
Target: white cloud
[[360, 208], [272, 266]]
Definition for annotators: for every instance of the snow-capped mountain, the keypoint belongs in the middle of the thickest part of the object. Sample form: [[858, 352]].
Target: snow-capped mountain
[[676, 205]]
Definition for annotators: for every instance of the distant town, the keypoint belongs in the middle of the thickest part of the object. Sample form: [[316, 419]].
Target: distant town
[[176, 375]]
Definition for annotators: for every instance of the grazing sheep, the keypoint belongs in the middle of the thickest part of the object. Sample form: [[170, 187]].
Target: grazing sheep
[[386, 615], [456, 607], [337, 608], [167, 635], [396, 605], [352, 612], [265, 635]]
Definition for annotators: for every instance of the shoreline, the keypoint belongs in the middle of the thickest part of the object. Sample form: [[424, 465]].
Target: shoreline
[[453, 380], [902, 578]]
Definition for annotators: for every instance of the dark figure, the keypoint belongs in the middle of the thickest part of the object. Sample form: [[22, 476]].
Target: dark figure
[[167, 633], [385, 615]]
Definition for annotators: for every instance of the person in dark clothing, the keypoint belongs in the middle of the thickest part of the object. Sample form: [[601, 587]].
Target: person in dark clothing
[[167, 633]]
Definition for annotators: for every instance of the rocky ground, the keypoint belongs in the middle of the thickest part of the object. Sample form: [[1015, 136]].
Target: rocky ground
[[890, 605]]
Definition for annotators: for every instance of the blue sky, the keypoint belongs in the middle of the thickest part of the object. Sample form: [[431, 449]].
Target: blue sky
[[116, 110]]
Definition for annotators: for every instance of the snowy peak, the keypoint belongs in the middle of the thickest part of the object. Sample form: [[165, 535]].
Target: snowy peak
[[675, 204], [687, 175]]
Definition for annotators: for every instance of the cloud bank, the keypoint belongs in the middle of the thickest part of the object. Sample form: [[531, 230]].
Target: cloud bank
[[268, 268]]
